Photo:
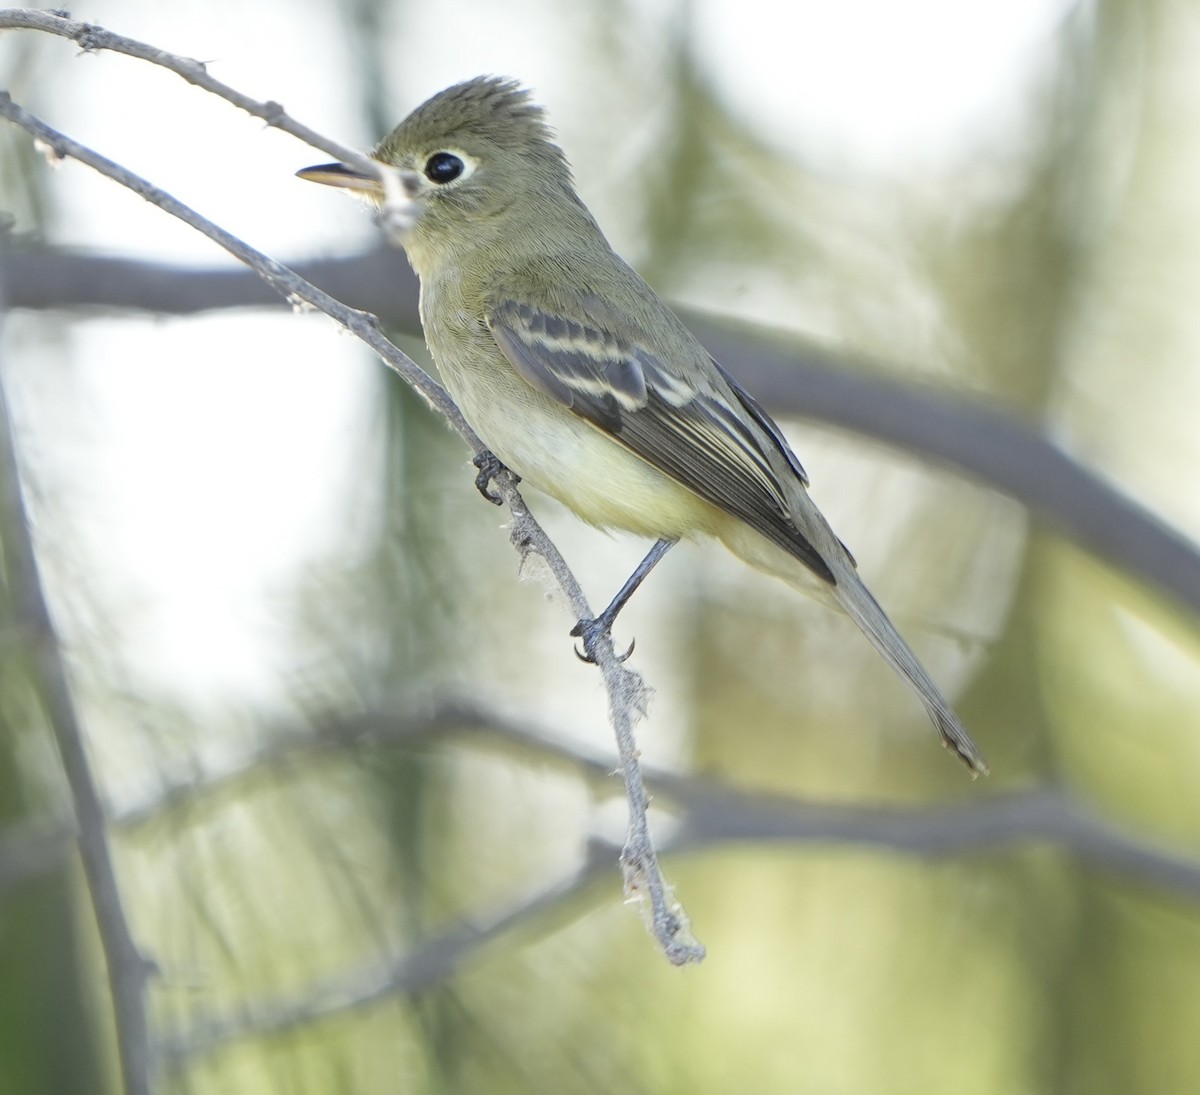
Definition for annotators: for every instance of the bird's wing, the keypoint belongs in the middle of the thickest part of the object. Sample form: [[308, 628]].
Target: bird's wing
[[699, 425]]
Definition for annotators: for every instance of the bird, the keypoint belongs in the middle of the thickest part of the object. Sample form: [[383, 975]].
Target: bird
[[582, 381]]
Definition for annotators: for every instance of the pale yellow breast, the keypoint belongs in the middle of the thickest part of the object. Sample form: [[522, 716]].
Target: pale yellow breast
[[545, 443]]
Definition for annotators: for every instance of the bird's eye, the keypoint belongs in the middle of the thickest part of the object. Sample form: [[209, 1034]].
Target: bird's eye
[[443, 167]]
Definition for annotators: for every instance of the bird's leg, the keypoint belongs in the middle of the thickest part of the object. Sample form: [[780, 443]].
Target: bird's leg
[[592, 630], [490, 466]]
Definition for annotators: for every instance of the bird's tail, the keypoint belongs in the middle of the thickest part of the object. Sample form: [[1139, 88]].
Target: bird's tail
[[858, 603]]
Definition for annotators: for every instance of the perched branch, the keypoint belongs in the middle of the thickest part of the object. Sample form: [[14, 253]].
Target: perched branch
[[627, 699], [625, 688], [288, 284], [128, 971]]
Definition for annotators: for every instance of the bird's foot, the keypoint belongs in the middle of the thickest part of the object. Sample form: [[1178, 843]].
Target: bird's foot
[[591, 631], [490, 466]]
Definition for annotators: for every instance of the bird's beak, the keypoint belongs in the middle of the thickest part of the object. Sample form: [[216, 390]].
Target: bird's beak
[[398, 205], [338, 174]]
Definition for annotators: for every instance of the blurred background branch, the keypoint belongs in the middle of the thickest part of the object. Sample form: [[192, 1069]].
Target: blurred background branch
[[708, 812], [707, 816], [994, 447], [128, 971]]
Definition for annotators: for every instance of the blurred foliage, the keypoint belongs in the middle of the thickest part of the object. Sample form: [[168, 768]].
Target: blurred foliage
[[274, 871]]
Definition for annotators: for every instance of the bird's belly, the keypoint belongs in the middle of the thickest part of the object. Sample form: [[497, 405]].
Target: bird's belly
[[587, 470]]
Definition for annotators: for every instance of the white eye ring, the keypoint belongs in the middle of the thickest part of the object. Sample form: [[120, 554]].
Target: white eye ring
[[448, 165]]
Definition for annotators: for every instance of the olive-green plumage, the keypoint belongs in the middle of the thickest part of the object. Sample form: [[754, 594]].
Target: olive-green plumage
[[581, 379]]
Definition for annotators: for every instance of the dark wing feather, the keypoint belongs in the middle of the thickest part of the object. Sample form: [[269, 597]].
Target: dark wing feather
[[754, 408], [709, 435]]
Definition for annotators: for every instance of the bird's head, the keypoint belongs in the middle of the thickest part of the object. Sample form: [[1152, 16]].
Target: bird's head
[[469, 159]]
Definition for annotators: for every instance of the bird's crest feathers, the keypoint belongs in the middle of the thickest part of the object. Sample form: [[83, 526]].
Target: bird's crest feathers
[[489, 109]]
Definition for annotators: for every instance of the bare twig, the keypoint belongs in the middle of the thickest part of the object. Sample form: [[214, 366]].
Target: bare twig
[[92, 39], [625, 689], [1047, 815], [128, 971], [627, 699], [285, 282]]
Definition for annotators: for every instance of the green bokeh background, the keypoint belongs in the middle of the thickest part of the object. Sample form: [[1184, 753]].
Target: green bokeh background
[[1052, 275]]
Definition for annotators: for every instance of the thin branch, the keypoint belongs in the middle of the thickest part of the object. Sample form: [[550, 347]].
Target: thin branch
[[93, 39], [992, 446], [627, 700], [284, 281], [625, 688], [128, 971]]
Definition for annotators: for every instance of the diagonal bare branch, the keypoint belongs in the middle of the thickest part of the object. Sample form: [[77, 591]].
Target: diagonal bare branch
[[92, 38], [625, 689]]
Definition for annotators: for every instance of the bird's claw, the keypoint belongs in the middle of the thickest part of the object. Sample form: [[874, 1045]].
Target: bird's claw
[[591, 632], [490, 466]]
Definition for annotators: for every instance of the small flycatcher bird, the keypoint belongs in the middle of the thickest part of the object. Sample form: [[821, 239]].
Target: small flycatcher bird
[[582, 381]]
